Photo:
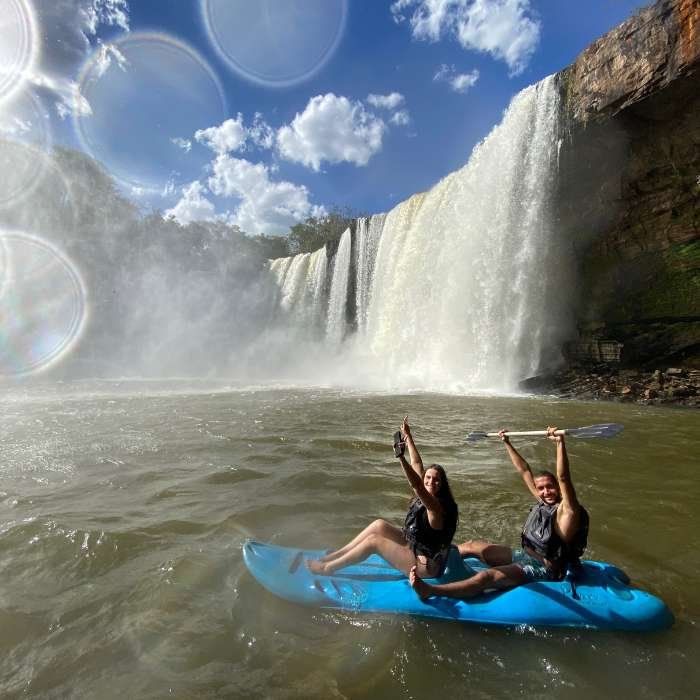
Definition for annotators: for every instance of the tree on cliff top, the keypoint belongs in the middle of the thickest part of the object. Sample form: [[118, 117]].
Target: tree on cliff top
[[315, 232]]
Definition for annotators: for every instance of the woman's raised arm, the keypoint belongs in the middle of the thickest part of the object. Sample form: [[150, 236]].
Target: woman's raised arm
[[416, 461]]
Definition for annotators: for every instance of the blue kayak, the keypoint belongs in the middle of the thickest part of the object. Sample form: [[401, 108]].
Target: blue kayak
[[597, 597]]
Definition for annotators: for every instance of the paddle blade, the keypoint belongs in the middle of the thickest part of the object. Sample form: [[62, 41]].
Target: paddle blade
[[604, 430], [476, 437]]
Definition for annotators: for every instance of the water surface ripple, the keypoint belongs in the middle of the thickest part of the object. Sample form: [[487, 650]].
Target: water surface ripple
[[124, 505]]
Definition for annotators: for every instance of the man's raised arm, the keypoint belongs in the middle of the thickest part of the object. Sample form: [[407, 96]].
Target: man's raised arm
[[566, 486], [519, 463]]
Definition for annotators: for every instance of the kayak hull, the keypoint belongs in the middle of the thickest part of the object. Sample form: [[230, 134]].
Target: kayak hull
[[598, 597]]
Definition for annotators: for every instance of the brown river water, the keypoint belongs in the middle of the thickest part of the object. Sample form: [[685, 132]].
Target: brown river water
[[124, 506]]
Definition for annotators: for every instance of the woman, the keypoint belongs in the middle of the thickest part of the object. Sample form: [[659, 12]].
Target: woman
[[424, 541]]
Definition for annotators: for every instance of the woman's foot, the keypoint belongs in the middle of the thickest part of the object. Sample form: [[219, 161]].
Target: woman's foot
[[316, 566], [418, 585], [328, 556]]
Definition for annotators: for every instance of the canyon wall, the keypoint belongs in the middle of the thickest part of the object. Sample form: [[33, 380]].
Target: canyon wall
[[629, 185]]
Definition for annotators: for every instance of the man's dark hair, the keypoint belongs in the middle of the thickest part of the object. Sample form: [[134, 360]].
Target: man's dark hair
[[547, 473]]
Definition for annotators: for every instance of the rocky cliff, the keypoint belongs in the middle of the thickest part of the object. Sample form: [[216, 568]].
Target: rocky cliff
[[629, 195]]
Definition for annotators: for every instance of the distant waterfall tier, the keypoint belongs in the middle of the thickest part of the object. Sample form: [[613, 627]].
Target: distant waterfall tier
[[461, 287], [302, 282]]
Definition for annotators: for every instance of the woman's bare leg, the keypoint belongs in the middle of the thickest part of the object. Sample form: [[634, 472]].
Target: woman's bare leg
[[491, 554], [378, 527], [399, 555], [501, 577]]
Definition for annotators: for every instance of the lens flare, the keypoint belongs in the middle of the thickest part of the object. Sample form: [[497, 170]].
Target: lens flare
[[146, 91], [275, 43], [3, 267], [18, 45], [25, 139], [43, 305]]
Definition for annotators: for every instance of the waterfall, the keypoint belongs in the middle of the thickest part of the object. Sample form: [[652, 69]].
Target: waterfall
[[279, 268], [463, 286], [293, 285], [337, 303], [301, 280], [367, 237], [316, 288], [464, 272]]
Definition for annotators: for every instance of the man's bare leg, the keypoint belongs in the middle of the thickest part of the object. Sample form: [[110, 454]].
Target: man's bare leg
[[501, 577], [491, 554]]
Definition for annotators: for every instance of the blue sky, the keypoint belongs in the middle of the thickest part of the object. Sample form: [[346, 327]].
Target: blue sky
[[263, 113]]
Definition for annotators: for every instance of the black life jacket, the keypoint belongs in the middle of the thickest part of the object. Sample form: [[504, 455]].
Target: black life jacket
[[539, 535], [421, 536]]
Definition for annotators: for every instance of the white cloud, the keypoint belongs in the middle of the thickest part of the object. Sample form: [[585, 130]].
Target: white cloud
[[68, 29], [504, 29], [261, 133], [331, 129], [261, 204], [103, 59], [229, 136], [432, 17], [459, 82], [401, 118], [193, 206], [233, 135], [169, 188], [70, 101], [391, 101], [265, 206], [184, 144], [109, 12], [15, 126], [397, 9]]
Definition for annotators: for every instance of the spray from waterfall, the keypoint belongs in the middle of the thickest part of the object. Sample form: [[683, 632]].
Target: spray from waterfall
[[368, 234], [337, 303]]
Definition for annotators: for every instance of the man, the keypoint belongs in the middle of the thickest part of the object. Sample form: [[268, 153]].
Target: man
[[553, 538]]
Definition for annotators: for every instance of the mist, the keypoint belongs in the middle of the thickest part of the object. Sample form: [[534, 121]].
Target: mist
[[97, 288]]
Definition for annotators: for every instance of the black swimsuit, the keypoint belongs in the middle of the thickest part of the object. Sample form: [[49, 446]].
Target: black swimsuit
[[424, 540]]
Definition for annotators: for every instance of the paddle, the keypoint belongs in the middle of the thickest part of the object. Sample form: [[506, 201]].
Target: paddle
[[604, 430]]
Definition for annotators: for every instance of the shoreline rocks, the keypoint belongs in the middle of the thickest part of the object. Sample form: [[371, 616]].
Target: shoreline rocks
[[676, 386]]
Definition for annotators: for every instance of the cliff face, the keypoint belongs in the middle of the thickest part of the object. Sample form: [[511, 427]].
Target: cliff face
[[629, 196]]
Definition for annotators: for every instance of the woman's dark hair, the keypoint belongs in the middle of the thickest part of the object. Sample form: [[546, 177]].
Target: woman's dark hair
[[445, 492]]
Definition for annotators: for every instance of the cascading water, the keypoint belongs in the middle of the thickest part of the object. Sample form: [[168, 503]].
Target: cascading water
[[293, 285], [337, 303], [462, 287], [279, 268], [302, 289], [367, 235], [316, 287]]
